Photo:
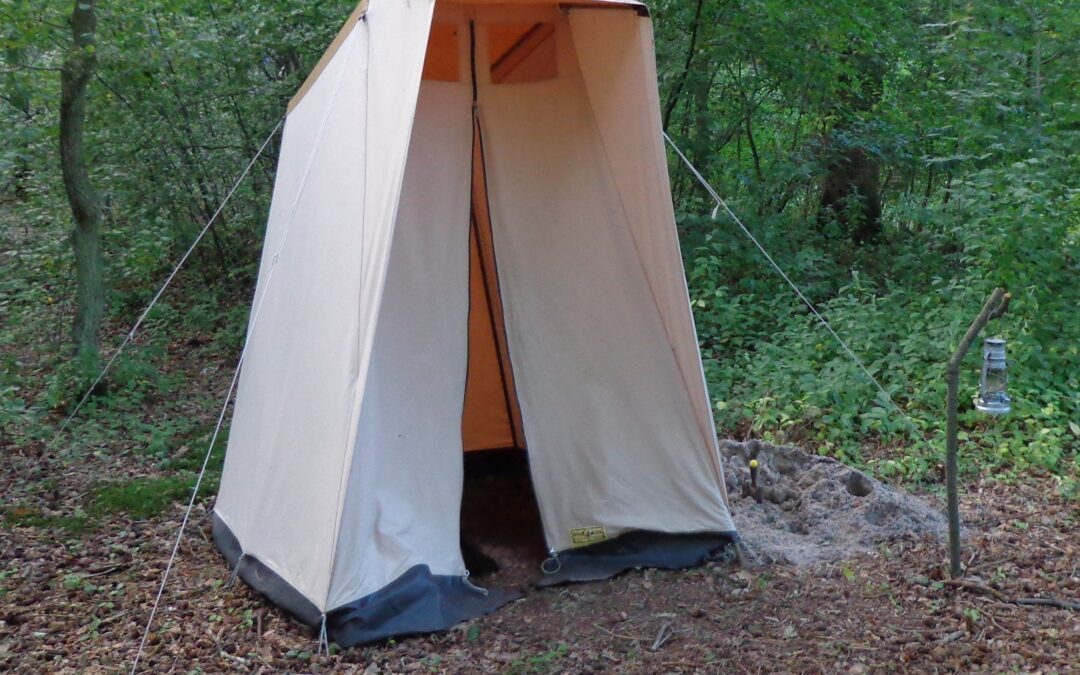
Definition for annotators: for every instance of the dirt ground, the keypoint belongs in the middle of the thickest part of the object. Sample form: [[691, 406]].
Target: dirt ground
[[77, 603], [810, 509]]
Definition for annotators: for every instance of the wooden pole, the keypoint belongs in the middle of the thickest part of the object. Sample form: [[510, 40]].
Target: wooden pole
[[995, 306]]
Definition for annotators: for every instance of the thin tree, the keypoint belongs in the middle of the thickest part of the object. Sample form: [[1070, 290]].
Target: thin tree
[[75, 74]]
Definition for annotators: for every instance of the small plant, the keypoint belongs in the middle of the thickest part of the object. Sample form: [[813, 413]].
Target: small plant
[[540, 662], [971, 617], [432, 662]]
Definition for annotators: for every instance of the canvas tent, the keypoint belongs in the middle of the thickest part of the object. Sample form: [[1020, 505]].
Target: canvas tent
[[471, 245]]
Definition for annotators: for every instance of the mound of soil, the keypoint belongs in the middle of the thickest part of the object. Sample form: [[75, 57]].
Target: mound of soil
[[809, 509]]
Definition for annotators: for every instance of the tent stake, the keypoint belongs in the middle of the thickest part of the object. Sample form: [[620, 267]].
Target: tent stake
[[235, 571], [323, 640]]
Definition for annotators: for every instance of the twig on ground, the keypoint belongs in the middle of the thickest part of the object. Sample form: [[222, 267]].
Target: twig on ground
[[678, 664], [1027, 602], [665, 634], [993, 620], [242, 661], [976, 587], [114, 617], [662, 636], [1048, 602], [619, 635], [107, 570]]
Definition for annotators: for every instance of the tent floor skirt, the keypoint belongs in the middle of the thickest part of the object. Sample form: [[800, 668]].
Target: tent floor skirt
[[416, 602], [634, 549], [262, 578]]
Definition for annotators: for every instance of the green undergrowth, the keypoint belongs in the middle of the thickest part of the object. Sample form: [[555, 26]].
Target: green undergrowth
[[154, 404], [975, 155], [901, 305], [25, 516], [139, 498]]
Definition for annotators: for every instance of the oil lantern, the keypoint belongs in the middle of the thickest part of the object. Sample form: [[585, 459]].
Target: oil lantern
[[993, 398]]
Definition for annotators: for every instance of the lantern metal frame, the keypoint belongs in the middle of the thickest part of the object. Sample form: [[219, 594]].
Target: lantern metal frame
[[993, 396]]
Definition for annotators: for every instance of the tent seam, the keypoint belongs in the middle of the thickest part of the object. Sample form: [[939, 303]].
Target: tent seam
[[641, 262], [354, 420], [337, 511]]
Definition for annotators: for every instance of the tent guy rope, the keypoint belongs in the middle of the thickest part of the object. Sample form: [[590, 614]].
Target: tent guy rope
[[720, 203], [187, 513], [221, 415], [236, 373], [161, 291]]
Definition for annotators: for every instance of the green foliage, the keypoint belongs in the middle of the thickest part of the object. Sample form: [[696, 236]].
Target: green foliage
[[978, 162], [137, 498], [969, 109], [541, 662], [143, 498], [29, 517]]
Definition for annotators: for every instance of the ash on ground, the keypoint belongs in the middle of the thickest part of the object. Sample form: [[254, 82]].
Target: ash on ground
[[811, 509]]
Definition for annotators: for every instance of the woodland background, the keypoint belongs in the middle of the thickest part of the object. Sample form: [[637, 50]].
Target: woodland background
[[899, 159]]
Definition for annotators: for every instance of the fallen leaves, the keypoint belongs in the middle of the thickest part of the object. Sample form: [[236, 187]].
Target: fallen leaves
[[77, 603]]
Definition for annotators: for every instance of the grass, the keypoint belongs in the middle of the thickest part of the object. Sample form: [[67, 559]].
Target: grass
[[140, 498], [25, 516], [137, 498]]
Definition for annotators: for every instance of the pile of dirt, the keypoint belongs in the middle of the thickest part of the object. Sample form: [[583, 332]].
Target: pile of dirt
[[809, 509]]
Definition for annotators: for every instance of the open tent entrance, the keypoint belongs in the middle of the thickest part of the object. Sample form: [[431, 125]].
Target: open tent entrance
[[500, 528], [491, 418], [514, 51]]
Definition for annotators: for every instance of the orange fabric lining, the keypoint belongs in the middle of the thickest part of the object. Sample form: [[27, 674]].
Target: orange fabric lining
[[492, 416], [522, 53], [441, 60]]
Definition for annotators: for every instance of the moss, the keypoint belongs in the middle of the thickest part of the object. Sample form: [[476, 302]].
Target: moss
[[140, 498], [22, 516]]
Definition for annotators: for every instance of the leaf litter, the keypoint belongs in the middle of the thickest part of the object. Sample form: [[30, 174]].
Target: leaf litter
[[77, 602]]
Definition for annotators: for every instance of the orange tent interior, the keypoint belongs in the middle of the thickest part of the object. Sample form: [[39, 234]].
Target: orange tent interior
[[516, 52]]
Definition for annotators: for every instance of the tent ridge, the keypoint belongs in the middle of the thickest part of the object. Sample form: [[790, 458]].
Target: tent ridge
[[339, 39]]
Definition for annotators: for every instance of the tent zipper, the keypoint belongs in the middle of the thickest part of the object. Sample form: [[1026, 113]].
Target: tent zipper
[[472, 61]]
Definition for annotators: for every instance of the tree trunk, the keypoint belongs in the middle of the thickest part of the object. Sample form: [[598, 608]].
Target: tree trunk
[[676, 89], [85, 206], [851, 192]]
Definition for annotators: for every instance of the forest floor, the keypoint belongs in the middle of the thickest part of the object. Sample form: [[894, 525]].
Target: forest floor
[[87, 528], [76, 591]]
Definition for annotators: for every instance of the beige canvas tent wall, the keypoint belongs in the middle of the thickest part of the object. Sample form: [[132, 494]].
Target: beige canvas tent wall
[[471, 245]]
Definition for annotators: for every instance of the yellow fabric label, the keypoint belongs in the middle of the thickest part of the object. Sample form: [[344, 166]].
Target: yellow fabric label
[[580, 536]]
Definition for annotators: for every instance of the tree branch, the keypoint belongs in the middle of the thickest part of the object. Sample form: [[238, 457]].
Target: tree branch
[[676, 90]]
